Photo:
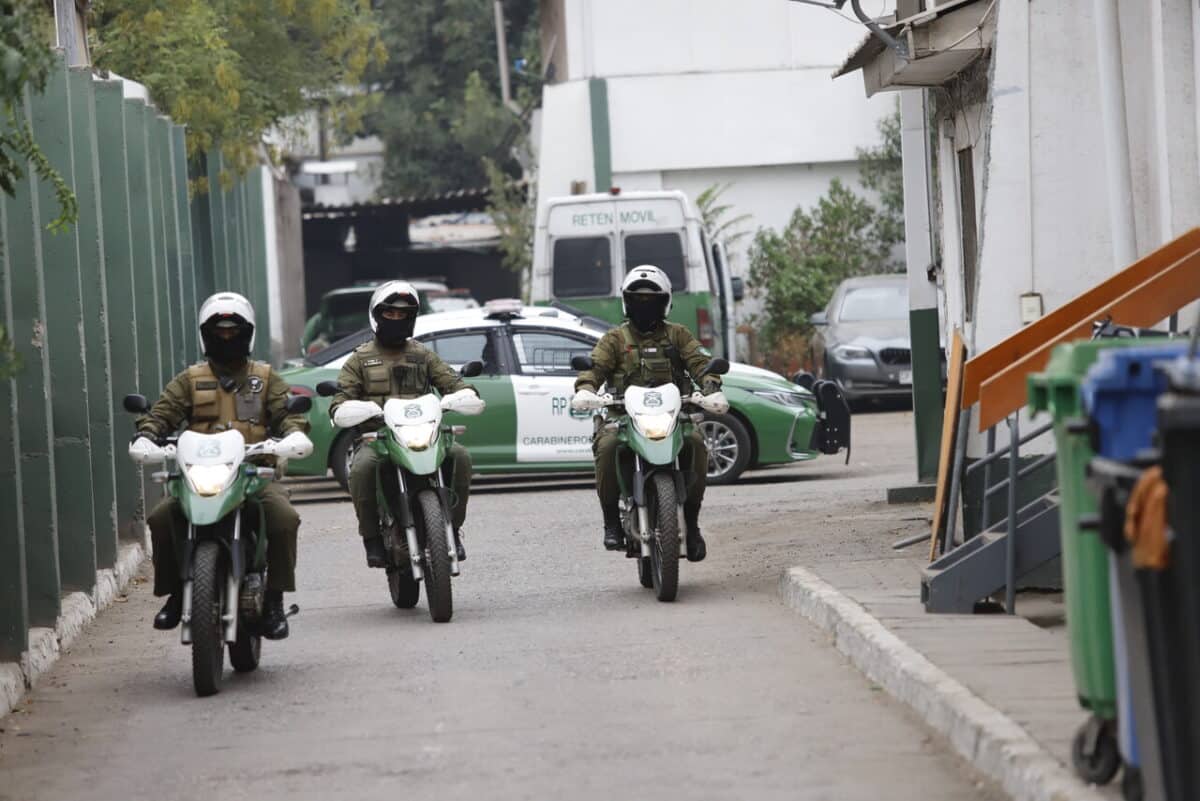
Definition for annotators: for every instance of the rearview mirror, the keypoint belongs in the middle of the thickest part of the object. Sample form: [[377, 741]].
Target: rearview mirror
[[327, 389], [471, 369], [136, 404], [580, 363], [804, 379], [298, 404], [819, 319], [717, 366], [738, 285]]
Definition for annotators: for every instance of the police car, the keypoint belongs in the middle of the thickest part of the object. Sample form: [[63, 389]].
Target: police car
[[528, 382]]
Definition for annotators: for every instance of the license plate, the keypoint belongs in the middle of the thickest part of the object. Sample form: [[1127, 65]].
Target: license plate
[[905, 377]]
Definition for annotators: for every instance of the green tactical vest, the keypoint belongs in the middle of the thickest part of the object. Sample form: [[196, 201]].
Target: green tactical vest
[[651, 363], [404, 374]]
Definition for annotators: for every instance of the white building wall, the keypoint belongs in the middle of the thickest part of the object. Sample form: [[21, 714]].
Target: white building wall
[[565, 143]]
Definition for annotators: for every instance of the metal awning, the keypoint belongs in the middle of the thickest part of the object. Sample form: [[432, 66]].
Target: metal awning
[[458, 200]]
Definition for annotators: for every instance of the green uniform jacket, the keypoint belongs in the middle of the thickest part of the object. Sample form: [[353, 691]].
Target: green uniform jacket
[[376, 373], [625, 357], [173, 409]]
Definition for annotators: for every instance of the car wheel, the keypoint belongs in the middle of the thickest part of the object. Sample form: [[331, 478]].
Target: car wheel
[[340, 454], [728, 444]]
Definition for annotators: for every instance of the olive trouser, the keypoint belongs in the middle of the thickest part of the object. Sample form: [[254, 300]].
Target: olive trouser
[[693, 458], [363, 471], [168, 530]]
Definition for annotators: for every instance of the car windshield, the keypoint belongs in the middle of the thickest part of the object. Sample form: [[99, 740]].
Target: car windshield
[[873, 303], [582, 267], [664, 251]]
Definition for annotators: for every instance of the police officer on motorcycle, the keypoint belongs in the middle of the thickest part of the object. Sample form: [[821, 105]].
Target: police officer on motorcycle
[[393, 365], [226, 391], [648, 351]]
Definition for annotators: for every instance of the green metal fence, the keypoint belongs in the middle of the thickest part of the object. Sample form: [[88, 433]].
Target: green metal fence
[[105, 308]]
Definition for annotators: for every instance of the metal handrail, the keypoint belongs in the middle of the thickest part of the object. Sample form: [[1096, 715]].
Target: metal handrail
[[996, 454]]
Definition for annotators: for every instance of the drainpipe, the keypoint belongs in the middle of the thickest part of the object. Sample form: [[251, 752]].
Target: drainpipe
[[1111, 72]]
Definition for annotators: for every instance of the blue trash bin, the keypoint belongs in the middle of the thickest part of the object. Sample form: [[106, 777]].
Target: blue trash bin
[[1120, 393]]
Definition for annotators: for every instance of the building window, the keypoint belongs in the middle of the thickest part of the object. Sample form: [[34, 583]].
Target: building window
[[970, 237]]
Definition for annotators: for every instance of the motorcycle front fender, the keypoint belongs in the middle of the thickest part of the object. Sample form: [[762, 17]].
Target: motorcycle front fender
[[419, 463], [657, 452], [202, 511]]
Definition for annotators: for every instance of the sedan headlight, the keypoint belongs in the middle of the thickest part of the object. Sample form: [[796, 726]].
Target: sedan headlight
[[852, 353], [418, 436], [209, 479], [782, 396], [655, 426]]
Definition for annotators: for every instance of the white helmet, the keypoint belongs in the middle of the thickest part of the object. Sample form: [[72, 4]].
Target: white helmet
[[225, 306], [646, 279], [398, 293]]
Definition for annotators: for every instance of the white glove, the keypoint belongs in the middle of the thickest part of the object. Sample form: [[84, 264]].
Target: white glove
[[143, 449], [295, 445], [465, 401], [586, 401], [714, 403], [356, 412]]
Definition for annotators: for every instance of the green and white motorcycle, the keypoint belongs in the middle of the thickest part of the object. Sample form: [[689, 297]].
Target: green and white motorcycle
[[651, 425], [414, 511], [224, 560]]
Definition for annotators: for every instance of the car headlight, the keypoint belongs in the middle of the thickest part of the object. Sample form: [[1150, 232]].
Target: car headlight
[[852, 352], [782, 396], [655, 426], [209, 479], [418, 436]]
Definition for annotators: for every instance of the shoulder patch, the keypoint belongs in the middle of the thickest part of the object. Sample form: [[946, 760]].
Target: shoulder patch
[[372, 362], [255, 384]]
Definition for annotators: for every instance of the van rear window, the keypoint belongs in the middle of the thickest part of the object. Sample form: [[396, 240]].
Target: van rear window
[[664, 251], [582, 267]]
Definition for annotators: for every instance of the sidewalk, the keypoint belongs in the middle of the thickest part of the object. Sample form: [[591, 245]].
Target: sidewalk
[[999, 687]]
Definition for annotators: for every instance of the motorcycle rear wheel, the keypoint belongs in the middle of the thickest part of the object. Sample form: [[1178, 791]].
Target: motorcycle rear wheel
[[246, 652], [664, 546], [404, 588], [437, 562], [208, 634]]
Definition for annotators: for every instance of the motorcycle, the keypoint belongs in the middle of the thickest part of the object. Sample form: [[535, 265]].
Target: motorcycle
[[414, 512], [652, 424], [224, 560]]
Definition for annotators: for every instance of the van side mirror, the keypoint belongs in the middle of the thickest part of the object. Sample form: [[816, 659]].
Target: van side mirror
[[298, 404], [327, 389], [580, 363], [136, 404], [819, 319], [804, 379], [471, 369], [717, 366], [738, 285]]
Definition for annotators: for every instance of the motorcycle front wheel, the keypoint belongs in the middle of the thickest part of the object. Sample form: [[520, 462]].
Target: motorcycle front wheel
[[208, 632], [404, 588], [437, 562], [664, 545]]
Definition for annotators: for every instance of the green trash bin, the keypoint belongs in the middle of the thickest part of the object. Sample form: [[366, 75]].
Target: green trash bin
[[1085, 559]]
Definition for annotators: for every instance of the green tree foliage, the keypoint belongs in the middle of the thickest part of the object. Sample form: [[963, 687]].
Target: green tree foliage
[[25, 62], [441, 113], [715, 216], [513, 207], [795, 271], [231, 69]]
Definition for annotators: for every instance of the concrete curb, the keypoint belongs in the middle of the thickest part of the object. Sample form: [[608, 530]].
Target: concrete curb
[[996, 745], [79, 609]]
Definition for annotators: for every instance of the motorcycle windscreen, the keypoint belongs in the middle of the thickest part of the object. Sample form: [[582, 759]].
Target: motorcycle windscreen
[[415, 440]]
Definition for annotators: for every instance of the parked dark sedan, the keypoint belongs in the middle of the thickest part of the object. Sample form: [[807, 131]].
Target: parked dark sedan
[[862, 339]]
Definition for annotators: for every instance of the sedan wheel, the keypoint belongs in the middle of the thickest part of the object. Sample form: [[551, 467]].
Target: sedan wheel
[[728, 445]]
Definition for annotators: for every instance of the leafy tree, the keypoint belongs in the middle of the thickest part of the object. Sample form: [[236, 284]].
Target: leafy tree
[[513, 206], [231, 69], [880, 171], [715, 215], [441, 114], [25, 62]]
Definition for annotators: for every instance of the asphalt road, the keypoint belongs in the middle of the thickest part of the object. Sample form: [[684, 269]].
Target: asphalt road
[[559, 677]]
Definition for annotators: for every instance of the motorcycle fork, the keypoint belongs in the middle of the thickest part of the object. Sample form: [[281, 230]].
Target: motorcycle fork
[[639, 502], [444, 498], [185, 617], [680, 498], [233, 580], [410, 528]]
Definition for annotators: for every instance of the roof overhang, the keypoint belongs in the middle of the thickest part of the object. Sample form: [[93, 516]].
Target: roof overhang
[[939, 46]]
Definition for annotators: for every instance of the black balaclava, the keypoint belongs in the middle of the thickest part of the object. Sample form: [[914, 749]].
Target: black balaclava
[[646, 311], [394, 333], [227, 351]]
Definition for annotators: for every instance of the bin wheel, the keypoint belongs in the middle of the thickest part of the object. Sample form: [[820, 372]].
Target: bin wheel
[[1131, 784], [1099, 763]]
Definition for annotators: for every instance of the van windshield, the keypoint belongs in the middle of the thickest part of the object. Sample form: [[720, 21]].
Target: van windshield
[[582, 267], [664, 251]]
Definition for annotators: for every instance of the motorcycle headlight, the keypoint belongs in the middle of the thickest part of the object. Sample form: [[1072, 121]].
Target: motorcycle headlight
[[781, 396], [209, 479], [655, 426], [417, 437]]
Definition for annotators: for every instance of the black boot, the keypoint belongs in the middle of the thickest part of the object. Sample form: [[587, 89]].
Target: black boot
[[168, 617], [458, 545], [614, 537], [696, 550], [376, 556], [274, 623]]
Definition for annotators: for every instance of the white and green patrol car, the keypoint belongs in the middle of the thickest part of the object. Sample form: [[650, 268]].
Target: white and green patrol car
[[528, 382]]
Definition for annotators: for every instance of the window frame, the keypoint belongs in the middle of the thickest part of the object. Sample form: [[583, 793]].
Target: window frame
[[518, 363]]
